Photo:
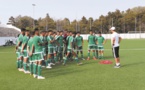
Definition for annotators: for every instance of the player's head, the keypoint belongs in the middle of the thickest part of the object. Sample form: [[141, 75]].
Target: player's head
[[112, 29], [99, 33], [61, 33], [36, 30], [73, 34], [23, 31], [50, 32], [70, 33], [65, 31], [58, 32], [42, 33], [91, 32], [78, 33], [54, 33], [27, 32], [32, 33]]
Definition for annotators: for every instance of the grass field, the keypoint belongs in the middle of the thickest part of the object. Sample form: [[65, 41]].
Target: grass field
[[90, 76]]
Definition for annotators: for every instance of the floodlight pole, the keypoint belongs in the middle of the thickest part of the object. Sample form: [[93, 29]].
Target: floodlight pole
[[90, 24], [33, 15], [135, 24]]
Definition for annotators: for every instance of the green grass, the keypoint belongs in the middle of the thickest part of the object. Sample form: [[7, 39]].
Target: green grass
[[90, 76]]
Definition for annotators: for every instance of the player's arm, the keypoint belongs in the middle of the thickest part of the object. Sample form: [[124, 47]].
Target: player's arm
[[28, 49], [23, 45], [104, 41], [19, 43], [120, 39], [113, 41], [82, 41], [96, 40], [31, 52]]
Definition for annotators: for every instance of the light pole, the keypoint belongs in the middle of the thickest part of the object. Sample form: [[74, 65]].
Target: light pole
[[135, 23], [112, 22], [90, 24], [33, 15], [101, 26]]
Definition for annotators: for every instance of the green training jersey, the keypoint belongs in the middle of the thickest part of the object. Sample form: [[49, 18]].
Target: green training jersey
[[70, 41], [50, 44], [25, 41], [91, 40], [79, 40], [36, 42], [100, 40], [43, 40], [20, 39], [30, 43], [60, 40]]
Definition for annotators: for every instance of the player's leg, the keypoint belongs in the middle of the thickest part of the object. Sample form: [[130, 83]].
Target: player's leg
[[25, 54], [55, 54], [102, 52], [61, 53], [48, 61], [89, 49], [81, 51], [76, 58], [35, 65], [116, 56], [77, 48], [40, 58], [30, 65], [44, 56], [66, 57], [20, 60], [96, 48]]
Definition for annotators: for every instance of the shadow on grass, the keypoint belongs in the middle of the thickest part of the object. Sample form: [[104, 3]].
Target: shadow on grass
[[62, 70], [132, 64]]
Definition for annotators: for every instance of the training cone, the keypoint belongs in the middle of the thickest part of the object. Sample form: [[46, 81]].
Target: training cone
[[105, 62]]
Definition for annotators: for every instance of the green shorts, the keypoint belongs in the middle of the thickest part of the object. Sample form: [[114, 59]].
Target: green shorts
[[55, 48], [25, 54], [69, 50], [19, 50], [60, 49], [51, 50], [44, 52], [79, 48], [38, 56], [100, 47], [18, 55], [94, 47], [32, 58]]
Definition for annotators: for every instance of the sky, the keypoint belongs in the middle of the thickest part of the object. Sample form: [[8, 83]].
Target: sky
[[59, 9]]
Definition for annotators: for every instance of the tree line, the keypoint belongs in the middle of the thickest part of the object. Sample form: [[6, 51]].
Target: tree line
[[124, 21]]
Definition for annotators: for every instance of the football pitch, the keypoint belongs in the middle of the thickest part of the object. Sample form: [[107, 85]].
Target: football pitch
[[89, 76]]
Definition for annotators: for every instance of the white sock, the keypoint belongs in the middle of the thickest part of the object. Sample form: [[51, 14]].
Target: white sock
[[117, 64]]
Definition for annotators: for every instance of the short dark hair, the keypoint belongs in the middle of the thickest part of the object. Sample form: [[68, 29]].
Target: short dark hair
[[23, 29], [42, 31], [49, 30], [36, 29], [60, 31], [99, 32], [26, 30], [32, 33], [74, 32], [91, 31], [70, 31], [79, 32]]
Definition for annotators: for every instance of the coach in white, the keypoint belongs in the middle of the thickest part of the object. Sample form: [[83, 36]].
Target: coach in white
[[115, 41]]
